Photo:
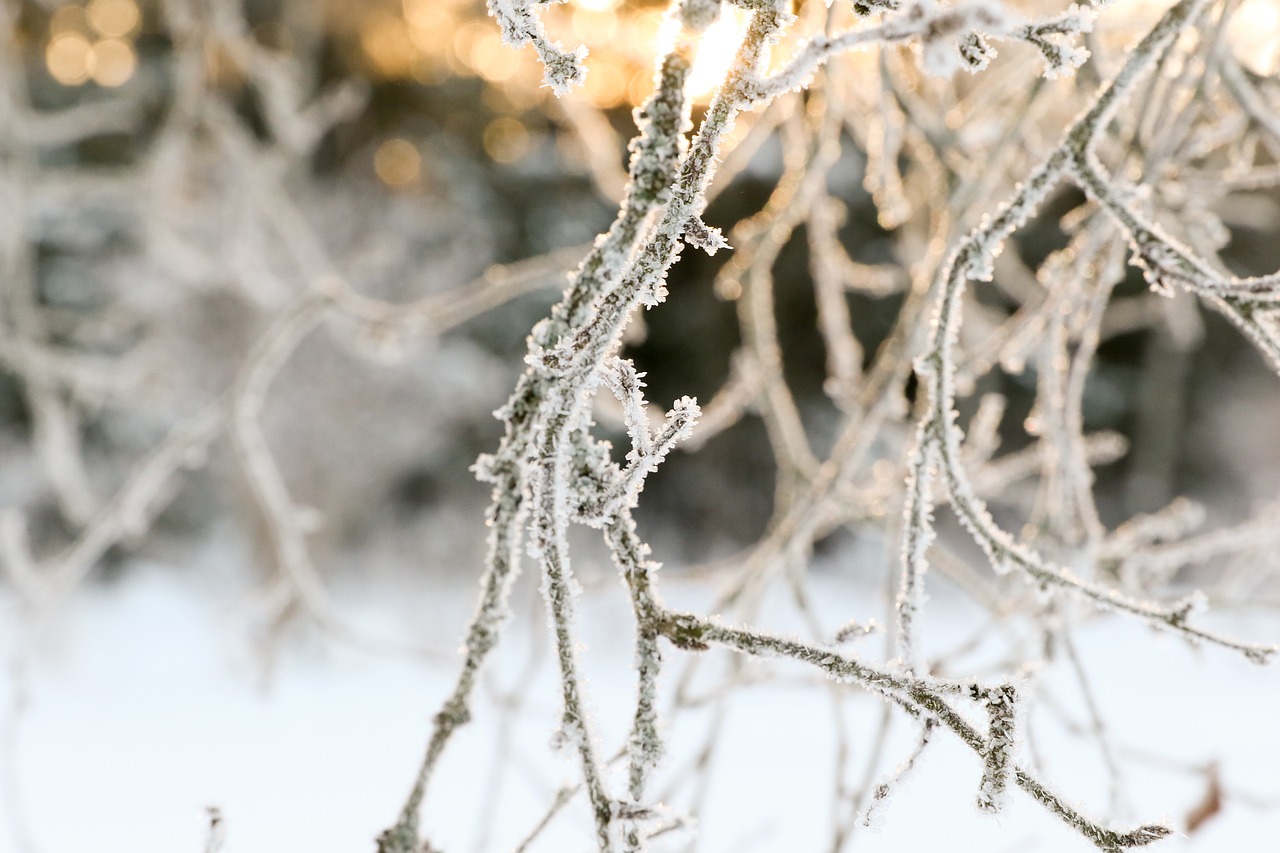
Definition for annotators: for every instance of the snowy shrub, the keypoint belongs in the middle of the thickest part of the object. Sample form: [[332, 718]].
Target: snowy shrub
[[1130, 132], [551, 472]]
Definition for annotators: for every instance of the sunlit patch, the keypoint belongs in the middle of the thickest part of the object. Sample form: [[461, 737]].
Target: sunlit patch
[[598, 5], [716, 50], [1254, 32]]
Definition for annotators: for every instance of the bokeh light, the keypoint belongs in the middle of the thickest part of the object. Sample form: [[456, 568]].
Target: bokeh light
[[506, 140], [69, 58], [397, 163], [93, 42], [113, 18], [430, 40], [114, 62], [388, 47]]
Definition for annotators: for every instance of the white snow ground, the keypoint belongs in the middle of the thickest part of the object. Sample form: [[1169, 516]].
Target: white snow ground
[[141, 704]]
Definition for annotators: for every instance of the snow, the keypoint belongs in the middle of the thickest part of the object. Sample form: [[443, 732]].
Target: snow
[[143, 707]]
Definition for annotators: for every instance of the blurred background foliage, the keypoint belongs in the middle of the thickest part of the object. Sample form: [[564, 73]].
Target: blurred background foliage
[[420, 151]]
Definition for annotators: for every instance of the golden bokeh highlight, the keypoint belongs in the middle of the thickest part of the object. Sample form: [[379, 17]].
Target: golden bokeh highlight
[[506, 140], [113, 19], [432, 17], [594, 26], [387, 46], [397, 162], [69, 58], [463, 46], [114, 62], [93, 43], [431, 40], [492, 59], [607, 84]]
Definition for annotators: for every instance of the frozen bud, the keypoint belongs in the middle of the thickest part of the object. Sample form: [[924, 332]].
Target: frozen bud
[[562, 70], [542, 333], [976, 52], [1062, 60], [484, 468], [683, 415], [701, 236]]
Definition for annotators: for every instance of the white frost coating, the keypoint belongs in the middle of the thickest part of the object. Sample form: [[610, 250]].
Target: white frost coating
[[974, 259], [918, 535], [1000, 747], [946, 37], [622, 490], [701, 236], [627, 386], [551, 471], [953, 34], [939, 156], [562, 70]]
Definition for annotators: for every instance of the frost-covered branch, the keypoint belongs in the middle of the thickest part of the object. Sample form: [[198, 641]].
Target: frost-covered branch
[[938, 432], [928, 272]]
